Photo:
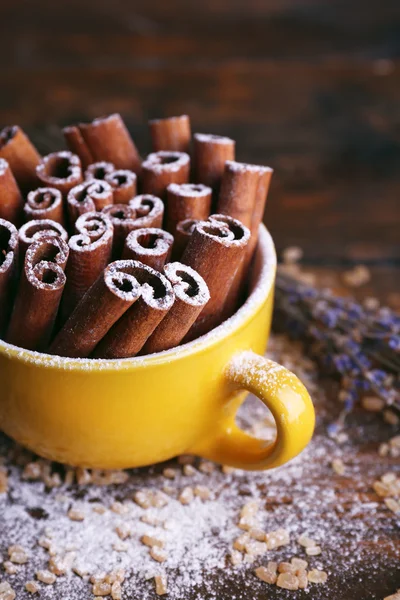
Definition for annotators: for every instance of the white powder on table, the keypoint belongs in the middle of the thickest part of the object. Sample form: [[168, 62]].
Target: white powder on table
[[304, 497]]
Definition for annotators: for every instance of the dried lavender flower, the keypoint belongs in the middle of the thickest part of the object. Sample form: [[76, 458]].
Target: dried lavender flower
[[359, 344]]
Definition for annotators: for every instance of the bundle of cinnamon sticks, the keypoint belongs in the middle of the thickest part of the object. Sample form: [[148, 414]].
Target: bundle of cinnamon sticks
[[87, 236]]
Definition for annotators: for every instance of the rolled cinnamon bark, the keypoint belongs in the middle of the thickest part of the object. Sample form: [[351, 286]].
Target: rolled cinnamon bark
[[237, 196], [60, 170], [187, 201], [162, 168], [122, 217], [104, 303], [238, 202], [264, 181], [183, 231], [93, 224], [127, 337], [8, 269], [35, 230], [210, 152], [11, 201], [172, 133], [191, 296], [124, 185], [215, 250], [21, 155], [149, 211], [149, 245], [99, 170], [90, 196], [77, 145], [89, 254], [44, 203], [107, 139], [39, 293]]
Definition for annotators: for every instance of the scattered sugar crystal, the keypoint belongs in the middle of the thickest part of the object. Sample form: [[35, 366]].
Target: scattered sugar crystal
[[161, 584], [266, 575], [313, 550], [186, 496], [317, 576], [45, 576], [287, 581], [32, 587]]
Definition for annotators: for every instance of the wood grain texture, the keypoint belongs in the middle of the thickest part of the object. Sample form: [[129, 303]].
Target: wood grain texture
[[310, 88]]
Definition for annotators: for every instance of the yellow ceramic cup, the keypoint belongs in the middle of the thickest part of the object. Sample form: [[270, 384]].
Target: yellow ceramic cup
[[133, 412]]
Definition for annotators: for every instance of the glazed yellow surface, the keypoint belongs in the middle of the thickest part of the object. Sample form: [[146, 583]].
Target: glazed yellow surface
[[134, 412]]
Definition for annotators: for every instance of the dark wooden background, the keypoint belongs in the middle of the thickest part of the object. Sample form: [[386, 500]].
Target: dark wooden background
[[310, 87]]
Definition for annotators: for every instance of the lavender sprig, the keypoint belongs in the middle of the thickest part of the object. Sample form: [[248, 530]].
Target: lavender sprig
[[358, 344]]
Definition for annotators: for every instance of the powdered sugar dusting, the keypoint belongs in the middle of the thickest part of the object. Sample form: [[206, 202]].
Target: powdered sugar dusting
[[47, 168], [188, 285], [99, 170], [252, 305], [122, 178], [43, 198], [305, 497], [189, 189], [166, 160], [238, 167], [210, 138], [162, 241], [149, 209], [245, 367], [9, 244], [225, 229], [35, 229], [3, 166]]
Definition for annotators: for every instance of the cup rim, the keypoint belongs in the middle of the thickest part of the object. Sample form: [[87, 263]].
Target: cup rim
[[249, 308]]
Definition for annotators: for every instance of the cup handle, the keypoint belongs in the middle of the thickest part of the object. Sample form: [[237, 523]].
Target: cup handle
[[288, 400]]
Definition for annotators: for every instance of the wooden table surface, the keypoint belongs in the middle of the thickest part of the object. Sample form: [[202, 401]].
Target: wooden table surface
[[309, 87]]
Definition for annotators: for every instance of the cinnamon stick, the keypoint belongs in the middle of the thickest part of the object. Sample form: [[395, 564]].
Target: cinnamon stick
[[124, 185], [191, 296], [243, 194], [90, 196], [114, 292], [127, 337], [162, 168], [149, 245], [44, 203], [107, 139], [264, 181], [36, 229], [99, 170], [122, 217], [172, 133], [142, 211], [21, 155], [122, 181], [77, 145], [11, 201], [89, 254], [210, 152], [183, 231], [215, 250], [60, 170], [187, 201], [237, 196], [39, 293], [149, 210], [8, 269]]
